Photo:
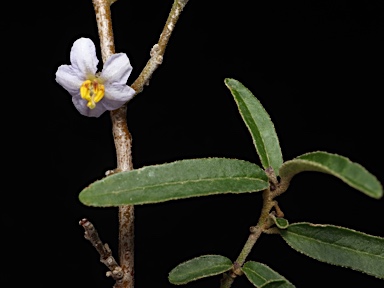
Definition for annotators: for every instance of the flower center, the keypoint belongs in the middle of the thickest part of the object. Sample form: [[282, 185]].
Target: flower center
[[92, 91]]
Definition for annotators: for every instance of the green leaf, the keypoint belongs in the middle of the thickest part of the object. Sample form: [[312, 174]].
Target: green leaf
[[351, 173], [176, 180], [261, 275], [259, 124], [281, 223], [277, 284], [200, 267], [338, 246]]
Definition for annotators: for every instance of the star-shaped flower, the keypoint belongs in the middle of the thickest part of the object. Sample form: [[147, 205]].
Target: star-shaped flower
[[94, 93]]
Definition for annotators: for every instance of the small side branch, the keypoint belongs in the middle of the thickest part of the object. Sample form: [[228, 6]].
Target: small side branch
[[264, 225], [103, 249], [158, 49], [279, 212]]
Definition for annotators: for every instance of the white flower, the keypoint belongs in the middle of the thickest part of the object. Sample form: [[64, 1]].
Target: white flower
[[94, 93]]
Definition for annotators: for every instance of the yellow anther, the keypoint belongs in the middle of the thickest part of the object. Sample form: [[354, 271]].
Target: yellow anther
[[99, 92], [92, 91], [85, 91]]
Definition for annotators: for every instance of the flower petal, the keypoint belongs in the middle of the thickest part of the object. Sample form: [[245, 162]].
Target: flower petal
[[83, 56], [70, 78], [111, 104], [118, 92], [81, 106], [116, 69]]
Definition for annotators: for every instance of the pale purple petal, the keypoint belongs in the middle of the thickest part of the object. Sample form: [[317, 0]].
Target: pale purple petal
[[111, 104], [81, 106], [116, 69], [83, 56], [118, 92], [70, 78]]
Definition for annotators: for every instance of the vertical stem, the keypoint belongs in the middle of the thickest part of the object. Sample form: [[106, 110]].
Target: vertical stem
[[123, 141], [104, 26], [256, 232], [121, 135]]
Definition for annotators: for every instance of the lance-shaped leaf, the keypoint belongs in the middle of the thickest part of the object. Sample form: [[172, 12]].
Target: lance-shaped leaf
[[259, 124], [200, 267], [351, 173], [338, 246], [176, 180], [263, 276]]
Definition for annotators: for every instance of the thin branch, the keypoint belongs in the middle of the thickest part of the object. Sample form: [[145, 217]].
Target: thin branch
[[263, 224], [105, 253], [121, 135], [279, 212], [122, 139], [104, 25], [273, 230], [158, 49]]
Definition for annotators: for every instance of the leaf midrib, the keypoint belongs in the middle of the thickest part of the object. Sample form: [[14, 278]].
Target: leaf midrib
[[255, 273], [258, 132], [174, 183], [332, 244]]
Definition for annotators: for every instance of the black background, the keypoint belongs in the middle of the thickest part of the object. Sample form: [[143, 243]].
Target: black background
[[317, 68]]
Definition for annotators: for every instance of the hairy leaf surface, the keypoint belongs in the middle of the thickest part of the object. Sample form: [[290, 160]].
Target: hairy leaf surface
[[339, 246], [200, 267], [341, 167], [262, 276], [259, 125], [176, 180]]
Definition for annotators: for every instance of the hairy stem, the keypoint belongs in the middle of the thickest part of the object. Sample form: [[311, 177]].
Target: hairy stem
[[123, 142], [255, 231], [158, 49], [105, 253], [121, 135], [263, 226]]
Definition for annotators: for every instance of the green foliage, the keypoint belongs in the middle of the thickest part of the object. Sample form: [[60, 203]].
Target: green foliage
[[262, 276], [281, 223], [339, 246], [176, 180], [277, 284], [351, 173], [200, 267], [259, 124], [202, 177]]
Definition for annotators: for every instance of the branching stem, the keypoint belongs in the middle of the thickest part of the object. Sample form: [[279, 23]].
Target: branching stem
[[121, 135], [90, 233], [123, 143], [263, 225]]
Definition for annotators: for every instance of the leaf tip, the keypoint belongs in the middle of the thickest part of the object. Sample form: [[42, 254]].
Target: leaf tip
[[229, 81]]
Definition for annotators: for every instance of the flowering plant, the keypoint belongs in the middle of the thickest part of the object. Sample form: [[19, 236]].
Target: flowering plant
[[124, 187]]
